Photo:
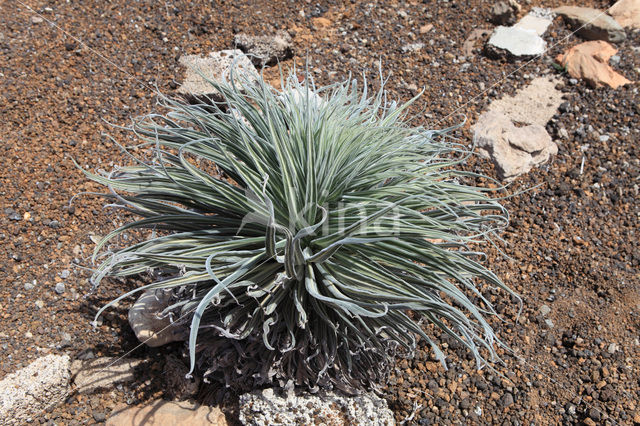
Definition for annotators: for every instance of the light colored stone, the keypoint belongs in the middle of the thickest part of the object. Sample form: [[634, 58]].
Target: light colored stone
[[545, 310], [426, 28], [269, 406], [534, 23], [534, 104], [102, 373], [265, 50], [217, 66], [515, 42], [512, 132], [150, 327], [542, 12], [27, 393], [589, 61], [626, 13], [162, 413], [592, 24], [513, 150], [412, 47]]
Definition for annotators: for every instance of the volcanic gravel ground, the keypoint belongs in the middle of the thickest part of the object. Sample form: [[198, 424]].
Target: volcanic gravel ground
[[572, 241]]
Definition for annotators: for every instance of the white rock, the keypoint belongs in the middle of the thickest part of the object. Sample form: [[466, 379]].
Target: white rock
[[150, 328], [514, 150], [271, 406], [27, 393], [515, 42], [215, 67], [535, 23], [102, 373]]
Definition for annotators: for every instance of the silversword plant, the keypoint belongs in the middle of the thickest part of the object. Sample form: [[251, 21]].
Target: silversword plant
[[306, 234]]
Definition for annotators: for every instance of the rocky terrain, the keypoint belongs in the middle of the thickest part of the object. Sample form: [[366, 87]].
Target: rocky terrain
[[547, 92]]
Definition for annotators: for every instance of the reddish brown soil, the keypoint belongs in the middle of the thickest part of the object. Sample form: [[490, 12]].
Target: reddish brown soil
[[573, 240]]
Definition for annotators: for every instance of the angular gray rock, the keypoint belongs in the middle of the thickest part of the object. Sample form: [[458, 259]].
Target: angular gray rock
[[592, 24], [270, 406], [265, 50], [102, 373], [513, 150], [150, 327], [27, 393], [514, 43], [217, 66]]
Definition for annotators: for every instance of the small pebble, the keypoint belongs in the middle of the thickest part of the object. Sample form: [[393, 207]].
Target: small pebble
[[564, 107], [595, 414], [544, 310], [465, 404], [39, 304], [29, 286], [66, 340], [59, 288], [562, 133], [506, 400]]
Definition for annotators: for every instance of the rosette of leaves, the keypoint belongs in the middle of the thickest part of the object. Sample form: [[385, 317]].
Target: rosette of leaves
[[304, 234]]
